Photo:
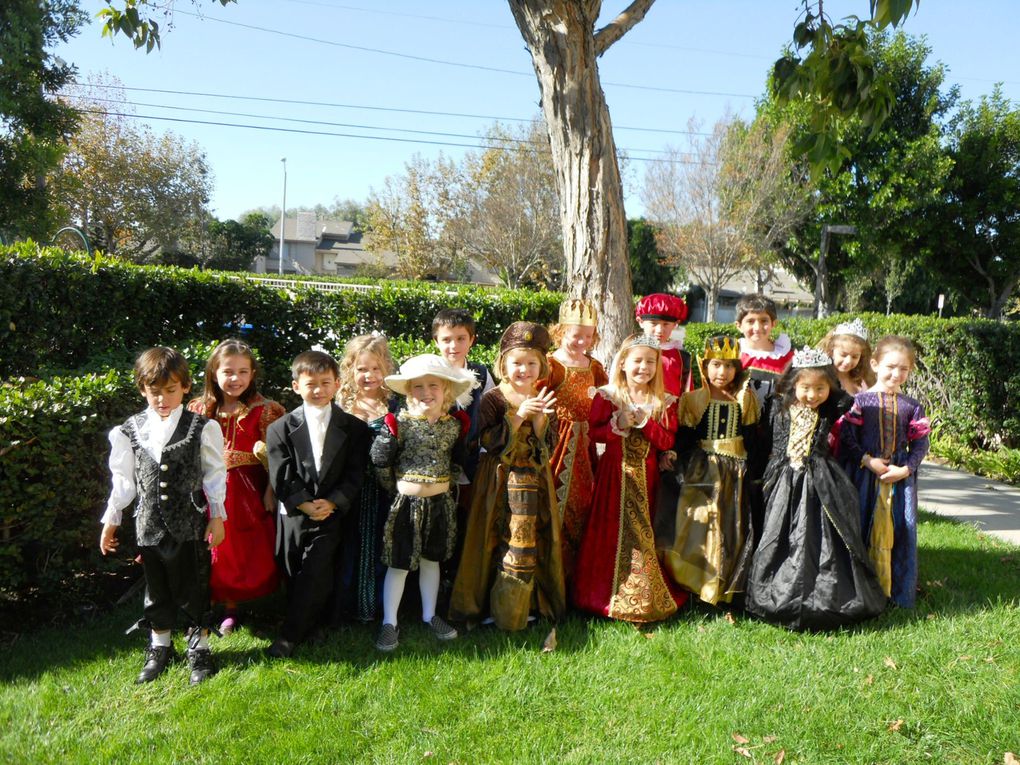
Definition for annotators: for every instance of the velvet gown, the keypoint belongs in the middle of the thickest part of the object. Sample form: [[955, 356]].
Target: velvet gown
[[618, 573], [243, 565], [893, 426], [811, 570], [573, 457]]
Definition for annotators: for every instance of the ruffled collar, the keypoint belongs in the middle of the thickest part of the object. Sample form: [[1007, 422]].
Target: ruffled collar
[[782, 347]]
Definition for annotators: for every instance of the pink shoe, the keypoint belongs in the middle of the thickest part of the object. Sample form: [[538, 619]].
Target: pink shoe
[[228, 625]]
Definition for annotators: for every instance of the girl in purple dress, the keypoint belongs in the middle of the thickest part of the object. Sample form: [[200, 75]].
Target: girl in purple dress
[[883, 440]]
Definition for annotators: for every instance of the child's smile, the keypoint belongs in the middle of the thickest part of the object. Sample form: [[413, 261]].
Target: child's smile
[[234, 376], [522, 368]]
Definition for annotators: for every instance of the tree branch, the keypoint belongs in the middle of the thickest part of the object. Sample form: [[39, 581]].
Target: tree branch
[[622, 24]]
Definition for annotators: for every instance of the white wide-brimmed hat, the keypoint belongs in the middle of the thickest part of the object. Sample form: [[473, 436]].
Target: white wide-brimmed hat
[[462, 381]]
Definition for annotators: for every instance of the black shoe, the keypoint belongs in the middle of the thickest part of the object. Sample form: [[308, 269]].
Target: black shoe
[[280, 649], [156, 659], [203, 666]]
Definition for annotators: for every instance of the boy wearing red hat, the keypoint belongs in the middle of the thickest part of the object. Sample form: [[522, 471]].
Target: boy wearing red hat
[[658, 315]]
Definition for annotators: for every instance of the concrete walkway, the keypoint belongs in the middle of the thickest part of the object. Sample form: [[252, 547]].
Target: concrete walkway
[[991, 506]]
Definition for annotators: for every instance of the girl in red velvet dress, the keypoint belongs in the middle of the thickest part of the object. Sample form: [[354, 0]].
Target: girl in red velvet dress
[[243, 567], [618, 573]]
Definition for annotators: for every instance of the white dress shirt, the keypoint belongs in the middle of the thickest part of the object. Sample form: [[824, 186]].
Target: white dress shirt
[[153, 436], [317, 420]]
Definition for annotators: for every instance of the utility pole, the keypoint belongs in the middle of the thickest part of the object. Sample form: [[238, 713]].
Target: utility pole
[[283, 217], [820, 272]]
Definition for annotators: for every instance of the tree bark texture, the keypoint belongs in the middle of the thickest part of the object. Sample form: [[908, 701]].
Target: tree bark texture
[[560, 34]]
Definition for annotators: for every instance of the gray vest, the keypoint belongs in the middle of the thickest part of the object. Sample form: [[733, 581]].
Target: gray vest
[[170, 498]]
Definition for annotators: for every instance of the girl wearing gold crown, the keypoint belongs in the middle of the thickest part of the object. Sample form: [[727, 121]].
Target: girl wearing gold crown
[[811, 569], [573, 377], [618, 573], [705, 538]]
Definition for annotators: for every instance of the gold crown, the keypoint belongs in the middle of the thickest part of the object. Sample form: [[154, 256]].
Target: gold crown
[[728, 349], [578, 312]]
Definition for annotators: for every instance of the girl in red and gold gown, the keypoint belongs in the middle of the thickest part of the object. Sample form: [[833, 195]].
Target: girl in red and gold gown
[[243, 566], [573, 377], [618, 573]]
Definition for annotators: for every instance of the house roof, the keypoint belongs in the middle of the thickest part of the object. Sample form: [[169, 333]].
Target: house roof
[[306, 228]]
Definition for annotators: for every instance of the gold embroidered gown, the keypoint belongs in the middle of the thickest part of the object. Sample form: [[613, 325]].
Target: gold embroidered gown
[[705, 539], [511, 563], [573, 458], [618, 573]]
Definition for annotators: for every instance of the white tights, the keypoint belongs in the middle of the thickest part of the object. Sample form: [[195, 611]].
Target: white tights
[[393, 590]]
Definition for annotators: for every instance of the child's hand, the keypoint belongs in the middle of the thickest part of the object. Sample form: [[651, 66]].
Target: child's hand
[[317, 509], [214, 532], [876, 465], [894, 474], [540, 404], [667, 461], [414, 407], [108, 539]]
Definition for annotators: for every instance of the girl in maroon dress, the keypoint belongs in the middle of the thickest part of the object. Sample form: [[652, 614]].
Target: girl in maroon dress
[[243, 567], [618, 573]]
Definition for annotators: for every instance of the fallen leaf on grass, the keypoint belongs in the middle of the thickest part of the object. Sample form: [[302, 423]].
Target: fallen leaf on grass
[[895, 726], [648, 635], [935, 583], [889, 662], [780, 756], [964, 657], [740, 739], [742, 750], [1010, 759], [730, 619], [990, 660], [701, 628], [429, 754], [550, 642], [769, 739]]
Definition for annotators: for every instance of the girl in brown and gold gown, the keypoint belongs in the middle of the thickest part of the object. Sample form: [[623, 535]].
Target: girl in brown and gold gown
[[511, 565]]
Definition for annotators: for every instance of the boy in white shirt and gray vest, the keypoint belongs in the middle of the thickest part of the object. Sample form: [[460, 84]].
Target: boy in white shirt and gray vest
[[169, 463]]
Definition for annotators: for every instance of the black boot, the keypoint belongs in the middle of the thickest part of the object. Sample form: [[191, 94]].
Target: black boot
[[203, 666], [156, 659]]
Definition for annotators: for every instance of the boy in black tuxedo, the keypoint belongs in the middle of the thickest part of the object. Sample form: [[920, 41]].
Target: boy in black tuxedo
[[318, 455]]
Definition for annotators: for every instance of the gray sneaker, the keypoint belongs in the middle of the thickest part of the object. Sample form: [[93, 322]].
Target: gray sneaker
[[389, 638], [441, 629]]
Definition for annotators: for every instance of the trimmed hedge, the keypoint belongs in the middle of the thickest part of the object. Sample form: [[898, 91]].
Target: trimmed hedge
[[78, 322], [59, 310]]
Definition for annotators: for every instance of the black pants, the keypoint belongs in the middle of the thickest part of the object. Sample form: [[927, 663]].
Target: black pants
[[176, 583], [308, 553]]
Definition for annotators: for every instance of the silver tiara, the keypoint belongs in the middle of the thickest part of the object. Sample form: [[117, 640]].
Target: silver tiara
[[646, 340], [855, 328], [810, 357]]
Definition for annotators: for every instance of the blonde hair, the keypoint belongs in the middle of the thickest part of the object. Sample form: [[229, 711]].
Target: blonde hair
[[543, 370], [373, 344], [862, 373], [618, 378]]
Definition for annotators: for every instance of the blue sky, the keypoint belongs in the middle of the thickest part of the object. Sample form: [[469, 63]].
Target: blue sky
[[354, 64]]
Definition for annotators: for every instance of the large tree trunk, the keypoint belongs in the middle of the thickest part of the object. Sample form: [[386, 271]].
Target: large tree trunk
[[564, 47]]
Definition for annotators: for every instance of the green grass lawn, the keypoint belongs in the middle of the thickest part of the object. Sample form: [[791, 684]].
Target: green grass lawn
[[937, 684]]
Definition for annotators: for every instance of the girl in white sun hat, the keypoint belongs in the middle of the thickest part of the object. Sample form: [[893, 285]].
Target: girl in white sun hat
[[419, 456]]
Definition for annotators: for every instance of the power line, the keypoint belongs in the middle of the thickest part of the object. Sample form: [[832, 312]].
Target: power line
[[508, 139], [298, 102], [459, 64], [392, 139]]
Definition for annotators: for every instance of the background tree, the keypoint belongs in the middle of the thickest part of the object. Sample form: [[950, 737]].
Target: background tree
[[34, 127], [887, 185], [506, 213], [564, 48], [649, 271], [409, 217], [139, 195], [232, 245], [720, 209], [976, 247]]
